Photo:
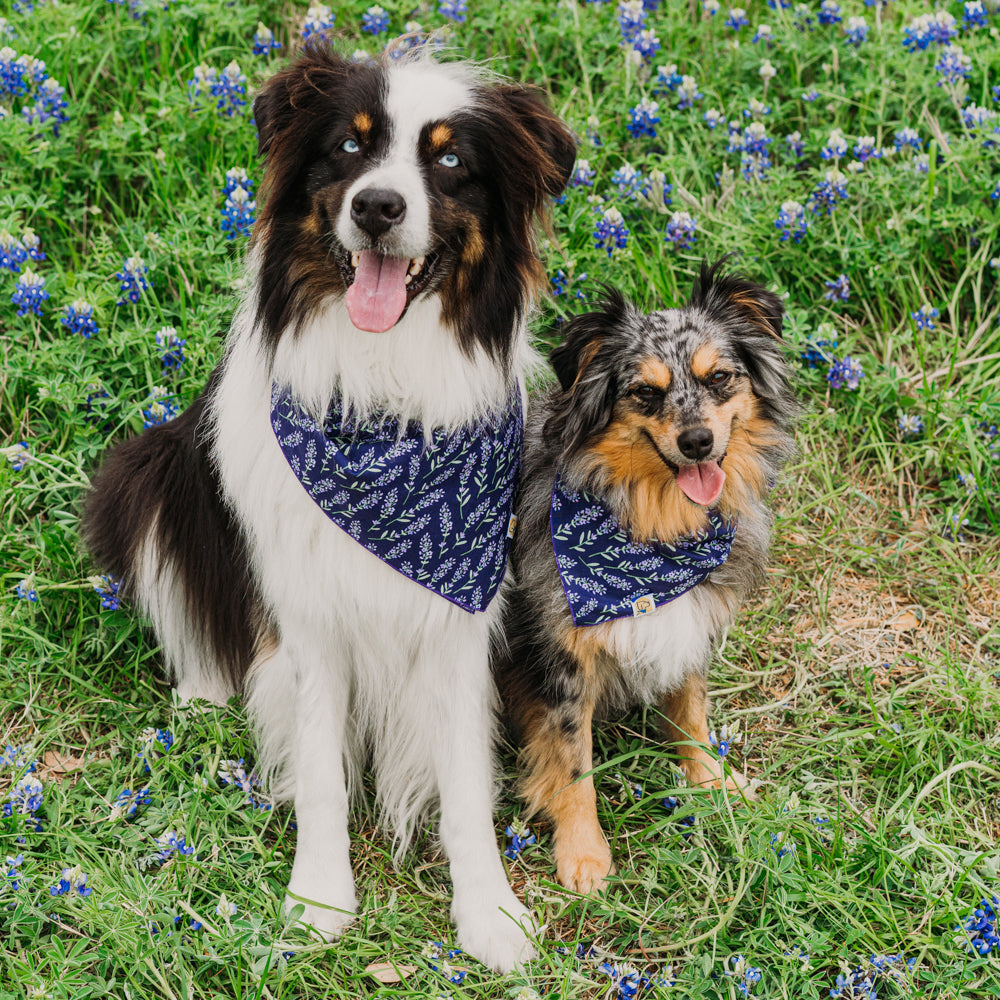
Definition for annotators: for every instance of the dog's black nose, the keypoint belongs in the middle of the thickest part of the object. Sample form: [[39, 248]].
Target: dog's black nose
[[695, 443], [377, 210]]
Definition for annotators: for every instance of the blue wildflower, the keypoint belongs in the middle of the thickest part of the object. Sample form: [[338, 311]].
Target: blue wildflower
[[838, 290], [13, 253], [234, 772], [756, 108], [50, 106], [454, 10], [908, 138], [520, 838], [72, 880], [939, 28], [18, 757], [829, 12], [375, 20], [318, 24], [107, 587], [559, 282], [32, 245], [229, 89], [974, 15], [667, 78], [791, 221], [171, 845], [238, 213], [133, 279], [979, 930], [725, 740], [811, 96], [856, 31], [828, 193], [24, 796], [924, 317], [611, 233], [737, 19], [709, 8], [713, 117], [29, 293], [19, 455], [25, 591], [630, 182], [745, 975], [794, 144], [153, 743], [836, 146], [763, 34], [593, 135], [845, 374], [865, 149], [631, 20], [78, 317], [225, 909], [171, 348], [681, 230], [128, 802], [862, 981], [643, 119], [264, 42], [12, 874], [953, 65], [910, 425], [781, 846], [160, 408], [583, 175], [688, 93], [433, 952]]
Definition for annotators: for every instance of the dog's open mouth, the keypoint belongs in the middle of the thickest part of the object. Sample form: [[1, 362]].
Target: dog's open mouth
[[701, 483], [381, 287]]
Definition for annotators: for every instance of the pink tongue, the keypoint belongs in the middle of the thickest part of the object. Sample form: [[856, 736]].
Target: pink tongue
[[377, 298], [701, 483]]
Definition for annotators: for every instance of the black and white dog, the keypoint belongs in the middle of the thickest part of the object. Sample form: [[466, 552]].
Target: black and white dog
[[363, 427]]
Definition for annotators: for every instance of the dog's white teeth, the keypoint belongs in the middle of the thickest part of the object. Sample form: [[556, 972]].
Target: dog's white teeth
[[409, 278], [355, 260], [416, 264]]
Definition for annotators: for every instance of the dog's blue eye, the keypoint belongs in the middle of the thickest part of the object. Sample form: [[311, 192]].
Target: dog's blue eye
[[350, 146], [719, 378], [449, 160]]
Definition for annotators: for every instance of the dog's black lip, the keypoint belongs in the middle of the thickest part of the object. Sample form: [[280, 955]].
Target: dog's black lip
[[673, 466]]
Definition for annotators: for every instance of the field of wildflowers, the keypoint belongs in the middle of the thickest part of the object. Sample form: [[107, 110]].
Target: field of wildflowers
[[849, 154]]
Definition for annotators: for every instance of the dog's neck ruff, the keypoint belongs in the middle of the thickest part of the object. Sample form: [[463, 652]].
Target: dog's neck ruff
[[439, 511], [606, 575]]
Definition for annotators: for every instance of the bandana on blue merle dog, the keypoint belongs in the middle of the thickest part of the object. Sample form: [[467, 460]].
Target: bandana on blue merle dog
[[440, 511]]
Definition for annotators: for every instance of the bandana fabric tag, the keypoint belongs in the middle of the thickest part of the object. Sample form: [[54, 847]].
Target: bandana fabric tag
[[438, 512], [606, 575]]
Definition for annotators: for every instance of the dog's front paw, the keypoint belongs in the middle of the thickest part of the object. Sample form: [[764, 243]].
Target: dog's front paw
[[498, 933], [584, 871], [329, 920]]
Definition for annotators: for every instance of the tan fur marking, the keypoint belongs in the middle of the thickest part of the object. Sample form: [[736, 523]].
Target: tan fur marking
[[441, 136], [753, 307], [362, 124], [475, 245], [654, 372], [705, 360]]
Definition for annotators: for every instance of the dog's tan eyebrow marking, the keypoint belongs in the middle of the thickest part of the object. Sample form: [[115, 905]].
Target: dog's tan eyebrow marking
[[441, 135], [362, 124], [705, 360], [654, 372]]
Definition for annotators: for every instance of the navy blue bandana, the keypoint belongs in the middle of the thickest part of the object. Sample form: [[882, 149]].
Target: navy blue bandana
[[441, 513], [606, 575]]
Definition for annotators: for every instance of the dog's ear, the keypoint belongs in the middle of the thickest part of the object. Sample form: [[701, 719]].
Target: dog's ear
[[587, 376], [753, 317]]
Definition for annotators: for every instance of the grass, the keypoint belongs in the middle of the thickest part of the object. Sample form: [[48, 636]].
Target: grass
[[865, 675]]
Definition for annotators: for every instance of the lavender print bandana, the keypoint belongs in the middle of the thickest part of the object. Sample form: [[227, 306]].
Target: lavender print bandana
[[440, 513], [605, 575]]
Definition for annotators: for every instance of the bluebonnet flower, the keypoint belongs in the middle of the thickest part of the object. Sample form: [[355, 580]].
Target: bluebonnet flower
[[667, 78], [838, 290], [865, 149], [681, 230], [968, 481], [910, 425], [559, 282], [29, 293], [953, 65], [611, 233], [763, 34], [753, 144], [225, 909], [318, 24], [819, 346], [171, 348], [908, 138], [78, 317], [829, 12], [725, 740], [811, 96], [454, 10], [979, 930], [72, 880], [202, 83], [836, 146], [845, 374], [32, 245], [107, 587], [25, 591], [938, 28], [50, 106], [238, 213], [229, 88], [375, 20], [791, 221], [593, 135], [974, 15], [264, 42], [953, 531], [982, 121], [12, 874], [520, 838], [756, 108], [133, 279], [24, 797], [172, 845], [153, 744], [7, 30], [737, 19], [631, 20], [794, 144], [688, 92], [863, 980], [781, 846], [13, 73], [746, 975], [924, 317], [990, 436], [856, 31], [828, 193], [921, 163], [630, 182], [643, 119], [21, 758], [433, 953], [626, 981], [713, 117], [709, 8], [234, 772], [128, 802], [13, 253], [19, 455], [646, 44], [160, 408], [583, 175]]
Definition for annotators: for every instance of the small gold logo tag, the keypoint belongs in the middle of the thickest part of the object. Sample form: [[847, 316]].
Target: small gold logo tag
[[643, 605], [512, 525]]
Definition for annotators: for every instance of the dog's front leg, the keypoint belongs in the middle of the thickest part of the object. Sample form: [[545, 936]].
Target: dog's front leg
[[321, 880], [492, 924]]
